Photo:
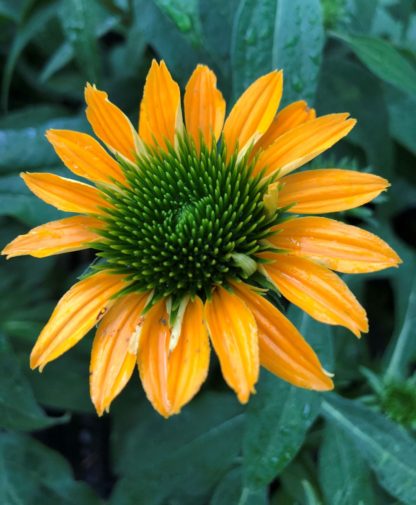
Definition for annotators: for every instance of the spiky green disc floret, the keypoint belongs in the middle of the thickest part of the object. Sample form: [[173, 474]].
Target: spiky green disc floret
[[187, 221]]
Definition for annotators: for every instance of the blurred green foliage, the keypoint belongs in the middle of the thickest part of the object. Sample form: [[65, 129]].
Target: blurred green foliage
[[288, 446]]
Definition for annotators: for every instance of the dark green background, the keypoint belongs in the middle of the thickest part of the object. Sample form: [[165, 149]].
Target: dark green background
[[288, 446]]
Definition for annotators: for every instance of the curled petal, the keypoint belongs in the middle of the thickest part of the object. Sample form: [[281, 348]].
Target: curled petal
[[253, 113], [233, 333], [65, 194], [113, 356], [336, 245], [317, 291], [75, 314], [84, 156], [189, 361], [57, 237], [110, 124], [204, 106], [283, 350], [288, 118], [160, 109], [303, 143], [329, 190]]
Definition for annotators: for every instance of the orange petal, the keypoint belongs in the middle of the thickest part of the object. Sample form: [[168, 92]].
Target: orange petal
[[153, 356], [171, 379], [233, 333], [336, 245], [204, 106], [253, 113], [114, 353], [317, 291], [189, 361], [288, 118], [160, 109], [110, 124], [65, 194], [84, 156], [57, 237], [329, 190], [75, 314], [283, 350], [303, 143]]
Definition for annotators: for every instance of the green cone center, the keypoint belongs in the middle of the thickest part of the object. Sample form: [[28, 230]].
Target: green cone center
[[187, 220]]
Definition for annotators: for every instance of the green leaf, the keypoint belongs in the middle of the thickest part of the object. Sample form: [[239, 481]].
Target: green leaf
[[346, 86], [79, 22], [285, 34], [402, 112], [24, 35], [154, 448], [317, 334], [31, 116], [230, 491], [37, 152], [166, 40], [383, 60], [404, 348], [17, 201], [185, 16], [387, 448], [344, 475], [31, 473], [18, 407], [278, 418], [61, 57]]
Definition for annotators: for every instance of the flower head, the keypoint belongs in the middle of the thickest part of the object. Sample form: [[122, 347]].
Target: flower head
[[193, 221]]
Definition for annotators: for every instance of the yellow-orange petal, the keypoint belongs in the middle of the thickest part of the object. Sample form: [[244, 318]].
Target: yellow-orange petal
[[189, 361], [303, 143], [65, 194], [114, 353], [233, 333], [160, 108], [153, 356], [84, 156], [317, 291], [336, 245], [75, 314], [110, 124], [57, 237], [288, 118], [253, 112], [283, 350], [329, 190], [204, 106]]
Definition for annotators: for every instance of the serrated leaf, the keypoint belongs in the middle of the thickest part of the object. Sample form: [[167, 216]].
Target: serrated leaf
[[344, 475], [387, 447], [18, 407], [278, 418], [31, 473], [383, 60], [285, 34]]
